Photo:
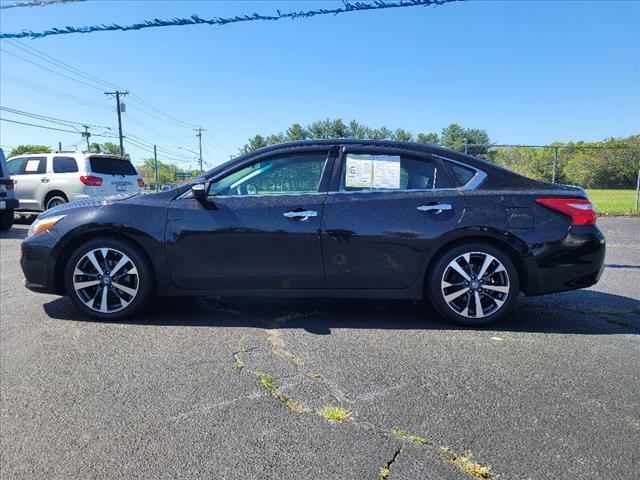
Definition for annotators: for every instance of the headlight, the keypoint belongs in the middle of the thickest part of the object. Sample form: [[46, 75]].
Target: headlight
[[40, 225]]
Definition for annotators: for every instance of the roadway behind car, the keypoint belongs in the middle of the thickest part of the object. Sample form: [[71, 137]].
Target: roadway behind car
[[551, 392]]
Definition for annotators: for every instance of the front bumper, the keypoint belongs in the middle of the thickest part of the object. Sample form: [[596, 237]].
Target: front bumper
[[38, 262], [577, 261]]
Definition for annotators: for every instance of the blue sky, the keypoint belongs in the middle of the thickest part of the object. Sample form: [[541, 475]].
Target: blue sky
[[527, 72]]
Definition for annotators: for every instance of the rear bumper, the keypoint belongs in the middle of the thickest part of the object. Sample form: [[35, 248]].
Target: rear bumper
[[577, 261], [10, 203]]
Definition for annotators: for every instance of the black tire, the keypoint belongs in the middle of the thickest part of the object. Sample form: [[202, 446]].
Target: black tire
[[55, 200], [6, 220], [145, 280], [463, 310]]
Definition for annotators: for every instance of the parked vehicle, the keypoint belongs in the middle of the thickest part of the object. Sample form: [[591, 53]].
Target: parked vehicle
[[8, 200], [46, 180], [367, 219]]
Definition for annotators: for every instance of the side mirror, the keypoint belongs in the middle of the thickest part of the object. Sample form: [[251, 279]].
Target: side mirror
[[199, 191]]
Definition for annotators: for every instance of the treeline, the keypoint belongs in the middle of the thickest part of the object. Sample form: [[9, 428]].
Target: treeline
[[612, 163]]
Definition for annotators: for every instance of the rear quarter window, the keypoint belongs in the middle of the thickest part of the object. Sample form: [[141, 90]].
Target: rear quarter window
[[111, 166], [64, 165], [461, 175]]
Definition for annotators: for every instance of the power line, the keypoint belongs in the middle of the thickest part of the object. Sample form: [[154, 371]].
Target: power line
[[49, 119], [347, 7], [37, 3], [2, 119], [36, 87]]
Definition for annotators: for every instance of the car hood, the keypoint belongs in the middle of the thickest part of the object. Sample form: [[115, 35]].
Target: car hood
[[89, 202]]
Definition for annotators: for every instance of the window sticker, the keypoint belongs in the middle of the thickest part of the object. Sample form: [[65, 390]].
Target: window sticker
[[372, 171], [386, 172], [359, 171], [32, 166]]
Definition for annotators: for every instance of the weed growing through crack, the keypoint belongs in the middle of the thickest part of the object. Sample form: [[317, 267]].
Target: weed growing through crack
[[469, 465], [398, 432], [335, 414], [238, 365], [384, 473], [267, 381]]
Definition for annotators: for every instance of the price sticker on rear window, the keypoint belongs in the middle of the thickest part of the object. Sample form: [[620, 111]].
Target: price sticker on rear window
[[359, 172], [372, 171]]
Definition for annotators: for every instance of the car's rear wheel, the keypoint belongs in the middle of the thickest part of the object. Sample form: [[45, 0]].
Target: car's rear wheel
[[474, 284], [6, 219], [109, 278], [54, 201]]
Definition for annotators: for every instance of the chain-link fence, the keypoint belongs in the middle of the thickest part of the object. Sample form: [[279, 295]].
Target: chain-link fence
[[609, 174]]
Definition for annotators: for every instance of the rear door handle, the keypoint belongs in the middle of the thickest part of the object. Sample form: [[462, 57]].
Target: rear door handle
[[44, 180], [302, 215], [436, 208]]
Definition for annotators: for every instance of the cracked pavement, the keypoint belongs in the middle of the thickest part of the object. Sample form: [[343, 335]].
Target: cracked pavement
[[554, 392]]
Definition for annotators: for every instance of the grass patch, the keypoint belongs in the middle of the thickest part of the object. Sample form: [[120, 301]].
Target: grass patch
[[267, 381], [384, 473], [466, 463], [335, 414], [238, 365], [613, 202]]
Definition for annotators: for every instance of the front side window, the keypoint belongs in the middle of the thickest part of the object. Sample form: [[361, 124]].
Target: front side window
[[291, 174], [14, 165], [365, 172], [64, 165], [35, 165]]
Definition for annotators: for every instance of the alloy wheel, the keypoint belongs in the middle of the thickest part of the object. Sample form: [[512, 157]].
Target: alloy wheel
[[475, 285], [106, 280]]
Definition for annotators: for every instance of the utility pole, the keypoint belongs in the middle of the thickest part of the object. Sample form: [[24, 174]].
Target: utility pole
[[199, 135], [117, 95], [86, 135], [59, 146], [155, 165]]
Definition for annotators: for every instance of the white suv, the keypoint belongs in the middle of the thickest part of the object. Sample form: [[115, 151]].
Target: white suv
[[45, 180]]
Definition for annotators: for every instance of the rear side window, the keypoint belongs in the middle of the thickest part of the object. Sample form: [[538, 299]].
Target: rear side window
[[112, 166], [362, 172], [64, 165], [34, 165], [15, 165]]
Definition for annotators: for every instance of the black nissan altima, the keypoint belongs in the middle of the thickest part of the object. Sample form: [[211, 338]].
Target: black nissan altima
[[330, 218]]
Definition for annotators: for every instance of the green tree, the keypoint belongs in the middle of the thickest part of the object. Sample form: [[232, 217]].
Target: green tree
[[108, 148], [428, 138], [296, 132], [20, 149]]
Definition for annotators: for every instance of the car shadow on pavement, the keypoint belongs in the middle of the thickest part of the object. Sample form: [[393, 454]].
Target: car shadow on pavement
[[584, 312]]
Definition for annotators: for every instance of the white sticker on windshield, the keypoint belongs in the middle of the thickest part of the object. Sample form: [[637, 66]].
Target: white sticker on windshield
[[32, 166], [359, 171], [386, 171]]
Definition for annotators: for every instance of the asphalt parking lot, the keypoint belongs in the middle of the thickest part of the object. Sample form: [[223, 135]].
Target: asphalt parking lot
[[216, 388]]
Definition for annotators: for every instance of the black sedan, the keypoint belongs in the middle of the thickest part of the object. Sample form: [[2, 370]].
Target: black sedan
[[331, 218]]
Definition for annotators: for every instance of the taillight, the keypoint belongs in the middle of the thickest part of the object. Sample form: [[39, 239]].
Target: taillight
[[580, 210], [141, 183], [91, 180], [8, 183]]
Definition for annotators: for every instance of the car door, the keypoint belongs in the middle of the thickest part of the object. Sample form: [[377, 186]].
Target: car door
[[385, 209], [31, 182], [258, 229]]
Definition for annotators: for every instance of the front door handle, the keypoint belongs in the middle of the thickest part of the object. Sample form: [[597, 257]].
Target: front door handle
[[44, 180], [302, 215], [435, 208]]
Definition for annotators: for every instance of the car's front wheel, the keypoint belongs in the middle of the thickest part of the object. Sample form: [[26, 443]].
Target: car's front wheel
[[109, 278], [473, 284]]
